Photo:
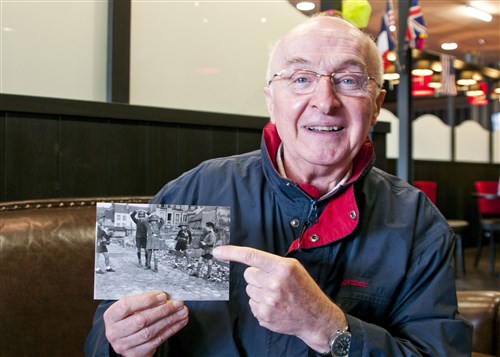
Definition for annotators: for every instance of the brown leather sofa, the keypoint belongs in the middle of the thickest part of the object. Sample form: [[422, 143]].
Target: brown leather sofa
[[46, 275], [46, 280]]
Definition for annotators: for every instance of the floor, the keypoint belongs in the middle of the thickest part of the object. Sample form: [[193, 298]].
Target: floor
[[479, 278]]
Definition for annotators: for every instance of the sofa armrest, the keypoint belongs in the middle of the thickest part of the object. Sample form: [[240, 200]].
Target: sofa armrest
[[482, 309]]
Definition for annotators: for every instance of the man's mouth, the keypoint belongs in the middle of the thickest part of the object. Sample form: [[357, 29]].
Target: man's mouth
[[324, 128]]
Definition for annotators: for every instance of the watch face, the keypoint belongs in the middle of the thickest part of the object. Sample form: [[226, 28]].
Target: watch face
[[341, 345]]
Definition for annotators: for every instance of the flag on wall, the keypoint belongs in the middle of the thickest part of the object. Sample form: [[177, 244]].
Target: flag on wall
[[448, 85], [385, 39], [416, 32]]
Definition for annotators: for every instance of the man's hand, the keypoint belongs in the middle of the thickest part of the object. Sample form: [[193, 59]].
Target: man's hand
[[137, 325], [284, 298]]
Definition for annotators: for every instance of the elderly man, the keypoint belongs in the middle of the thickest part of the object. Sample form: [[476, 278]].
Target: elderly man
[[330, 256]]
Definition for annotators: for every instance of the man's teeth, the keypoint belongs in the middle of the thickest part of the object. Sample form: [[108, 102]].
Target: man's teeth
[[325, 128]]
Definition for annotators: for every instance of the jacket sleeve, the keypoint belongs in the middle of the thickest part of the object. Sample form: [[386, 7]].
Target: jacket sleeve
[[423, 319]]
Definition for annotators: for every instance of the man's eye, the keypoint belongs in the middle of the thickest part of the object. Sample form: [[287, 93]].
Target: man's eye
[[349, 81], [302, 79]]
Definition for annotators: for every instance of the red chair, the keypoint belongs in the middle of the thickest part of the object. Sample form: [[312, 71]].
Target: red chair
[[427, 187], [458, 225], [488, 206]]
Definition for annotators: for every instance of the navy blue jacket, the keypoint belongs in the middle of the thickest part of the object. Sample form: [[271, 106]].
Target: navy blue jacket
[[378, 247]]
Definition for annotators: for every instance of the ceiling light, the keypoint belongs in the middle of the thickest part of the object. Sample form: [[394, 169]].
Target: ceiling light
[[421, 72], [466, 79], [391, 76], [435, 81], [391, 56], [474, 91], [436, 66], [477, 76], [305, 6], [478, 14], [422, 68], [466, 82], [448, 46]]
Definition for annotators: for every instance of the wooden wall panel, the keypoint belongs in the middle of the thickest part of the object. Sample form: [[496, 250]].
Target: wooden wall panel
[[32, 156], [194, 145], [65, 148], [163, 156], [224, 142], [127, 158], [84, 157], [248, 140]]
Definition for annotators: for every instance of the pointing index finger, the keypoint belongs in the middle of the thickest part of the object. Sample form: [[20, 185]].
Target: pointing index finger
[[246, 255]]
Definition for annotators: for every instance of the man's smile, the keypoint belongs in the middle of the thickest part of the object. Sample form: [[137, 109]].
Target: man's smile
[[324, 128]]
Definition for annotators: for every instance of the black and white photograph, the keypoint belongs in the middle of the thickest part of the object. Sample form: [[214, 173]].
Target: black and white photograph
[[165, 247]]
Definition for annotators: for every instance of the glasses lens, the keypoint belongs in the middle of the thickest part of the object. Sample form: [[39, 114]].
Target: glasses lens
[[300, 81], [349, 82]]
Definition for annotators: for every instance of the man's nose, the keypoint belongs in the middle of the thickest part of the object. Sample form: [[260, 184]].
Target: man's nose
[[324, 97]]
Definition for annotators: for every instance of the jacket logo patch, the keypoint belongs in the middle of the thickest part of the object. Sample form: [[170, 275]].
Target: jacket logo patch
[[354, 282]]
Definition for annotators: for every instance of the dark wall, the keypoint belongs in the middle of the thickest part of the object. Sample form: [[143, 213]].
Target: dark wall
[[57, 148]]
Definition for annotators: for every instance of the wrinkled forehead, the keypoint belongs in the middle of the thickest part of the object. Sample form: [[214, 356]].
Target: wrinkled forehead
[[324, 43]]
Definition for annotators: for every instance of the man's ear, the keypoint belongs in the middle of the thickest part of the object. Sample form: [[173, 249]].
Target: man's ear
[[269, 102], [378, 105]]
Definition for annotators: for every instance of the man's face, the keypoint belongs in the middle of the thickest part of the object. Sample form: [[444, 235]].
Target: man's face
[[322, 128]]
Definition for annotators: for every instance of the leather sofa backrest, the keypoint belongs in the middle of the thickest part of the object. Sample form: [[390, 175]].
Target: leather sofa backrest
[[46, 275]]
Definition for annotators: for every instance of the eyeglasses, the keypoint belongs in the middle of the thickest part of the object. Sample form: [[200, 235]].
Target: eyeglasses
[[304, 81]]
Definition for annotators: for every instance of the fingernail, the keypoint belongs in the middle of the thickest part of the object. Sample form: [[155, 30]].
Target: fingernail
[[177, 304], [182, 313], [161, 298]]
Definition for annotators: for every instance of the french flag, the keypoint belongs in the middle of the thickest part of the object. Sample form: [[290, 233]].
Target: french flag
[[385, 38]]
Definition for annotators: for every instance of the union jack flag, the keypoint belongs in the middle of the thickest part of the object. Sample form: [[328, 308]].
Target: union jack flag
[[416, 30]]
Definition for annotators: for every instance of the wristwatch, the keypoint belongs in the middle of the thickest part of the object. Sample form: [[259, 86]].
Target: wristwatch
[[340, 344]]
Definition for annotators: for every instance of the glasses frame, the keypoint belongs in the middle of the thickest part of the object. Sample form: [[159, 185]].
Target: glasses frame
[[319, 75]]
